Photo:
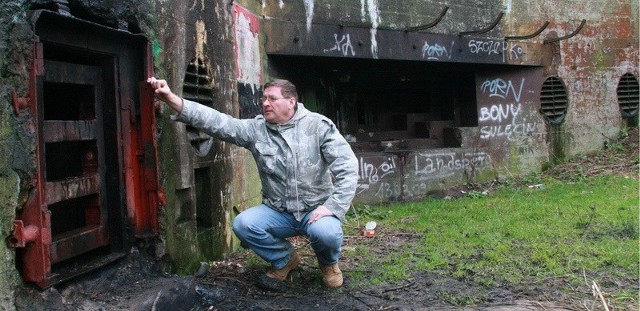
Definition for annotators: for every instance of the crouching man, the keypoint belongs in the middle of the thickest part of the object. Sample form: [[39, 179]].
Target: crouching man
[[308, 172]]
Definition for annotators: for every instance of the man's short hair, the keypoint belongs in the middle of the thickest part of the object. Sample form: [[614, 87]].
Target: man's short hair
[[287, 88]]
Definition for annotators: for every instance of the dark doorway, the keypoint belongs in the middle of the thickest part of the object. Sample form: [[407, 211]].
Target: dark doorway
[[378, 100]]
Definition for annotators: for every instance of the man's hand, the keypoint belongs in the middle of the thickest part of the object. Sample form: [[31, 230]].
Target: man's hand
[[318, 213], [163, 92]]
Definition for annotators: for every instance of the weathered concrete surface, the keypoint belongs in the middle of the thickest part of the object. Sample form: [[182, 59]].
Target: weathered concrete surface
[[185, 31], [590, 65], [9, 278], [16, 143]]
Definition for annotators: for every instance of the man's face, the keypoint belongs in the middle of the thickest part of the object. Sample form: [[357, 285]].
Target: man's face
[[276, 108]]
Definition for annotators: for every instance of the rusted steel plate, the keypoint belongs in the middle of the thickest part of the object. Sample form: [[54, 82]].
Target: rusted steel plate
[[76, 242], [72, 188], [58, 131], [288, 38]]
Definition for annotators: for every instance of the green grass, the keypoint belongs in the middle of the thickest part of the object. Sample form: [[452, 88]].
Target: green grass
[[580, 232]]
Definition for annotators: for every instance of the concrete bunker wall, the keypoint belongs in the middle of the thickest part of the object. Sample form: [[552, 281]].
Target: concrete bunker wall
[[203, 192]]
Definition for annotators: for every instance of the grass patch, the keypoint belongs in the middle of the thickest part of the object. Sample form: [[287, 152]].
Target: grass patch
[[579, 232]]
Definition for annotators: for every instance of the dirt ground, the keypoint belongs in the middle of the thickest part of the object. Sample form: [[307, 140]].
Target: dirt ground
[[137, 282]]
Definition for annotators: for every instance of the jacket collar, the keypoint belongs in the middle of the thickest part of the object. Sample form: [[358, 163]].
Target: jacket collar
[[301, 112]]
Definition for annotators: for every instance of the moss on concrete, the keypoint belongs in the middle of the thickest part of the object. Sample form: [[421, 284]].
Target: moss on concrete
[[9, 277]]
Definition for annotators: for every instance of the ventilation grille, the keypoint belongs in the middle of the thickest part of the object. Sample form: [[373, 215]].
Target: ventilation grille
[[553, 100], [628, 95], [197, 87], [197, 83]]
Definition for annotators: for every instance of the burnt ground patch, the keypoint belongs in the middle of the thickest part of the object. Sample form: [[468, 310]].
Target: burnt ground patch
[[138, 283]]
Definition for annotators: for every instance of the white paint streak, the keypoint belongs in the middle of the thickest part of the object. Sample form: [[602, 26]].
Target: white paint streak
[[374, 14], [308, 6], [508, 6], [374, 43]]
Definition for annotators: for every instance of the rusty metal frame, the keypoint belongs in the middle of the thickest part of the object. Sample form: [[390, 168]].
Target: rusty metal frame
[[484, 30], [575, 32], [142, 197], [429, 25], [533, 35]]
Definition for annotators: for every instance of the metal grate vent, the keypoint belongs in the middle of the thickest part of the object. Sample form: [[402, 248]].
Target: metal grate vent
[[197, 83], [197, 87], [553, 100], [628, 95]]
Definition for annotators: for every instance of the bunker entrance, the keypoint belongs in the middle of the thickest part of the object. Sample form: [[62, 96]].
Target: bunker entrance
[[96, 183], [414, 104]]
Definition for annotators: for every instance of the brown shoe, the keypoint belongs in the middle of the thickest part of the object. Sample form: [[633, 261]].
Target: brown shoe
[[281, 274], [331, 275]]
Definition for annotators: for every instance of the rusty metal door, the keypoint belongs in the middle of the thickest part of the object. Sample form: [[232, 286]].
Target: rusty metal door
[[96, 182], [75, 165]]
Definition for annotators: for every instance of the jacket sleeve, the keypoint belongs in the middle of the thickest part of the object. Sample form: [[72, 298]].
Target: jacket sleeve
[[343, 165], [217, 124]]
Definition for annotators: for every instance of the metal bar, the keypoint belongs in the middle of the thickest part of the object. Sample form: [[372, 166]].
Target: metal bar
[[76, 242], [72, 188], [22, 235], [535, 34], [484, 30], [584, 21], [429, 25], [58, 131]]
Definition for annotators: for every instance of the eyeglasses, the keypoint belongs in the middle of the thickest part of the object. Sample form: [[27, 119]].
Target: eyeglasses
[[271, 98]]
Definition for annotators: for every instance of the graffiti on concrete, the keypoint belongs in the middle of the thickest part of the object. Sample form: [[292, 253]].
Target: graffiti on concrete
[[382, 177], [495, 47], [488, 47], [373, 173], [506, 119], [509, 131], [438, 165], [499, 112], [342, 45], [501, 88], [516, 52], [437, 51]]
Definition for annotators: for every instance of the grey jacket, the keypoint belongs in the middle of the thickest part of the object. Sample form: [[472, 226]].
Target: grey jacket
[[303, 163]]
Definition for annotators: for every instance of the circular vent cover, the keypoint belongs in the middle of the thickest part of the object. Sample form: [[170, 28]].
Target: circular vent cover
[[628, 91], [553, 100]]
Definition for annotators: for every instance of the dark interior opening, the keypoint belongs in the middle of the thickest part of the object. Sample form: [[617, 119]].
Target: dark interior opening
[[60, 106], [68, 159], [73, 214], [204, 208], [385, 100]]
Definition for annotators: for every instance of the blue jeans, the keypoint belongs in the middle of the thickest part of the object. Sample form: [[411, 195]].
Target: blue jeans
[[264, 230]]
